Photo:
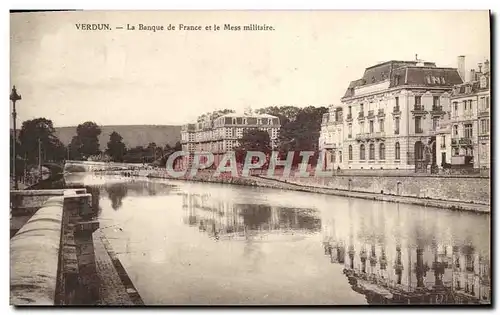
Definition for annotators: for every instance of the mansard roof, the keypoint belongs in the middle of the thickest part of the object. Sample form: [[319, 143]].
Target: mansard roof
[[406, 73]]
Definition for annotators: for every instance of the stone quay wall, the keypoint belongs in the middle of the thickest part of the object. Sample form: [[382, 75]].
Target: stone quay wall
[[473, 189]]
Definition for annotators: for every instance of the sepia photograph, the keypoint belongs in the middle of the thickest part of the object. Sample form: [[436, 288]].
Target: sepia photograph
[[250, 158]]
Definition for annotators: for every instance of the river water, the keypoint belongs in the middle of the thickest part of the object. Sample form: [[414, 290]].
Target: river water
[[198, 243]]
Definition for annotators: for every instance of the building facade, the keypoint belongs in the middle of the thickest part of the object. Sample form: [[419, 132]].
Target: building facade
[[391, 116], [468, 140], [331, 137], [224, 133]]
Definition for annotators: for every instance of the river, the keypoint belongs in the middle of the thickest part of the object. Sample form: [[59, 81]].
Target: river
[[198, 243]]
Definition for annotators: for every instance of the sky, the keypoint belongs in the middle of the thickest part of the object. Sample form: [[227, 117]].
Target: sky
[[125, 77]]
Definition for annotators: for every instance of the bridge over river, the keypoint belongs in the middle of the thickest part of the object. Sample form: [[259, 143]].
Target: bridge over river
[[200, 243]]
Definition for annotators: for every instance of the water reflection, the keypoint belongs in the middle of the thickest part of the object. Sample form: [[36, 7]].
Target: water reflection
[[116, 193], [241, 239], [225, 218], [429, 266]]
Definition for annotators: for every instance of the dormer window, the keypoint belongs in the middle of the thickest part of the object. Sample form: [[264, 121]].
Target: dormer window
[[468, 89], [482, 82], [373, 79], [396, 79]]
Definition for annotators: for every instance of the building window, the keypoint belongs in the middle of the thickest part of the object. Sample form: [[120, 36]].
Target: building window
[[381, 123], [396, 127], [333, 157], [362, 127], [398, 152], [349, 135], [350, 110], [443, 142], [455, 108], [372, 151], [397, 102], [487, 102], [340, 156], [371, 126], [350, 153], [435, 101], [382, 152], [485, 126], [468, 131], [456, 151], [362, 152], [465, 106], [418, 124], [418, 101], [435, 123], [361, 108], [455, 130]]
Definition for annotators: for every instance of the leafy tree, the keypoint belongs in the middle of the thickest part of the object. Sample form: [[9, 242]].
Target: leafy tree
[[116, 148], [253, 140], [178, 146], [86, 142], [40, 131], [300, 128]]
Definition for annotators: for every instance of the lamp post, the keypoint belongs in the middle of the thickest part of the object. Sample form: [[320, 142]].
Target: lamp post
[[14, 97]]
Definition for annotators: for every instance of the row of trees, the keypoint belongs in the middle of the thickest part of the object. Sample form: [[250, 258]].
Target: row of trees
[[37, 140], [300, 129]]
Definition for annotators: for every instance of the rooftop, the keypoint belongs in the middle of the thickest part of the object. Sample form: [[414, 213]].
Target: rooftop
[[401, 73]]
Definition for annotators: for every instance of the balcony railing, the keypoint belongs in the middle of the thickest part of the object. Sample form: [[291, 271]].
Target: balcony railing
[[396, 110], [362, 136], [418, 108], [483, 113], [419, 130], [371, 114], [361, 115], [381, 113], [465, 141], [349, 117]]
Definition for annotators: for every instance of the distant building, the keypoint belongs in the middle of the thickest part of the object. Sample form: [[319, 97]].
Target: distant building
[[331, 137], [392, 115], [468, 143], [222, 134]]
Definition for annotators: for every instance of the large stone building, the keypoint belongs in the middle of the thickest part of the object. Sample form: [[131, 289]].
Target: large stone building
[[222, 134], [466, 139], [390, 116]]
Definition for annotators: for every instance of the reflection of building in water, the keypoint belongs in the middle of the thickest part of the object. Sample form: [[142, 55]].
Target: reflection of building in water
[[394, 268], [222, 218], [471, 274]]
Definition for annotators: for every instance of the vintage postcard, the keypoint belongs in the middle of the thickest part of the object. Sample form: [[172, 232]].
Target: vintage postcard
[[250, 158]]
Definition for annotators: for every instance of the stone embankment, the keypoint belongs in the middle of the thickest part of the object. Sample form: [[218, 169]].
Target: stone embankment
[[419, 190]]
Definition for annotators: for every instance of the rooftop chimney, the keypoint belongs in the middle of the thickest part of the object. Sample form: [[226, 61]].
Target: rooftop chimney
[[472, 75], [486, 66], [461, 67], [479, 65]]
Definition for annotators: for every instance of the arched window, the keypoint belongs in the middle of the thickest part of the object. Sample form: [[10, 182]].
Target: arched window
[[362, 152], [398, 152], [372, 151], [382, 152], [340, 156], [350, 153]]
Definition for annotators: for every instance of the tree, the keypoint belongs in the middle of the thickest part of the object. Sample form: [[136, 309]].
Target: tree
[[300, 128], [116, 148], [39, 133], [253, 140], [86, 142], [178, 146]]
